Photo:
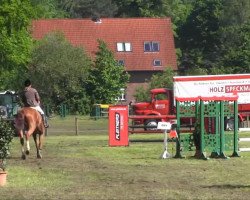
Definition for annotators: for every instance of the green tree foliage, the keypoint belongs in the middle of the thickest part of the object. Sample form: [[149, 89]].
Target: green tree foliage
[[163, 80], [160, 80], [142, 94], [198, 71], [236, 48], [6, 135], [60, 71], [235, 12], [48, 9], [235, 36], [89, 8], [199, 36], [202, 26], [107, 76], [177, 10], [216, 37], [15, 39], [147, 8]]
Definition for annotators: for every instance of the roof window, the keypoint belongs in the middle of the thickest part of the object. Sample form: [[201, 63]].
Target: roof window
[[121, 62], [151, 46], [123, 46], [157, 63]]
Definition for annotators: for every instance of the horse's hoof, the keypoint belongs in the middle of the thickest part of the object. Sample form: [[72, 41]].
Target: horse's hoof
[[23, 157], [39, 156]]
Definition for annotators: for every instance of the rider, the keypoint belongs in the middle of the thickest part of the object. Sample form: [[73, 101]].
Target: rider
[[31, 98]]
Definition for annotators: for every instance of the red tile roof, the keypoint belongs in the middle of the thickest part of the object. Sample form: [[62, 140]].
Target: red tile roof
[[136, 31]]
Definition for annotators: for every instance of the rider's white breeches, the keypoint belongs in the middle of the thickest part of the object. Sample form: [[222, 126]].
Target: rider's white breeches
[[39, 109]]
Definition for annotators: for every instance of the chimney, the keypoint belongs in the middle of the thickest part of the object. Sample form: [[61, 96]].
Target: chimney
[[96, 19]]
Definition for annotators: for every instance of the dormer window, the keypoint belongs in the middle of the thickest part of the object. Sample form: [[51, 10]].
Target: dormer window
[[123, 46], [157, 63], [151, 46], [121, 62]]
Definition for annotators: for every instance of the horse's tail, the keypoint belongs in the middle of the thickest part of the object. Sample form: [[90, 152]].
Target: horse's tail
[[19, 121]]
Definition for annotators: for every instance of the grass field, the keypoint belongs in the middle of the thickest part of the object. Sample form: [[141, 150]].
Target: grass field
[[85, 167]]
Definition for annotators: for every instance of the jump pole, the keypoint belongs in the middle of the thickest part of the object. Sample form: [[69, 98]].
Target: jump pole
[[165, 126], [244, 149]]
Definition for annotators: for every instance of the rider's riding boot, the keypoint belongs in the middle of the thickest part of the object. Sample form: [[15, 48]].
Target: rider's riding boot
[[45, 121]]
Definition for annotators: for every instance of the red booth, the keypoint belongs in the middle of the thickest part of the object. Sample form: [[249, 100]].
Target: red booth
[[118, 125]]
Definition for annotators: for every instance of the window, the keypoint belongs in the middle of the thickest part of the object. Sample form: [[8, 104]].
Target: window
[[157, 62], [161, 96], [123, 46], [120, 47], [121, 62], [151, 46]]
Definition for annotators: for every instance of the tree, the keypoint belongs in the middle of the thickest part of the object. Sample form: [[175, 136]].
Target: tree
[[199, 36], [146, 8], [235, 36], [235, 12], [48, 9], [160, 80], [60, 72], [179, 10], [163, 80], [89, 8], [107, 76], [15, 40], [236, 48], [196, 71], [216, 37]]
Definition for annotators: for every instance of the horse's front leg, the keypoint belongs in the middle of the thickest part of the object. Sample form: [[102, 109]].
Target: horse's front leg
[[38, 148]]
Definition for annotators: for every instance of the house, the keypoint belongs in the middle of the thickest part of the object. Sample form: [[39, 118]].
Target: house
[[143, 45]]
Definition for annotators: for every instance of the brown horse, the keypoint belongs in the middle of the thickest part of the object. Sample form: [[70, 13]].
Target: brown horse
[[29, 122]]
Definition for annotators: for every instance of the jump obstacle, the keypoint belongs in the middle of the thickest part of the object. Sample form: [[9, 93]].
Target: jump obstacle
[[245, 149], [209, 114], [209, 135]]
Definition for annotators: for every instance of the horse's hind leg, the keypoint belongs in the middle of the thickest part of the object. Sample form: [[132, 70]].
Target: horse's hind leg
[[38, 149], [27, 146], [40, 146], [22, 144], [39, 142]]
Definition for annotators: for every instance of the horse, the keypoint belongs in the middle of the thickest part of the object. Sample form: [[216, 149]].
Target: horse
[[28, 121]]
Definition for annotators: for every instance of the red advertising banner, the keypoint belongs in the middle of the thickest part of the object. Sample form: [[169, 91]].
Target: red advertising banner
[[118, 125]]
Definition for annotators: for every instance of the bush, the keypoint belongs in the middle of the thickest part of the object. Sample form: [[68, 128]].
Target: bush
[[6, 136]]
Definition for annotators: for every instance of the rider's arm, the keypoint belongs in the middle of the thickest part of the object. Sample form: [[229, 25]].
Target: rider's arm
[[37, 97]]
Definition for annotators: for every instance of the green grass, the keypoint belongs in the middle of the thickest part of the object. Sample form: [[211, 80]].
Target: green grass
[[85, 167]]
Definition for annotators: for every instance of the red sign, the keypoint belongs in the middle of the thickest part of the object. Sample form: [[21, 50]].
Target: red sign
[[237, 88], [118, 125]]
